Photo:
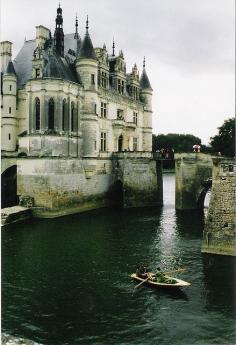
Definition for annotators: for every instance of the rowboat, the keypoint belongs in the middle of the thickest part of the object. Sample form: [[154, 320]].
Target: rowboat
[[175, 282]]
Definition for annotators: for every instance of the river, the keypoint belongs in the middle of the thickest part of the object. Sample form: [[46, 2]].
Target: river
[[67, 280]]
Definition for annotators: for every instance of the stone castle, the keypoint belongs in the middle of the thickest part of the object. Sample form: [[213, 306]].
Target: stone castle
[[68, 110]]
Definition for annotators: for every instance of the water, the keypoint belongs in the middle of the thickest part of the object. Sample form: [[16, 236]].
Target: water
[[66, 281]]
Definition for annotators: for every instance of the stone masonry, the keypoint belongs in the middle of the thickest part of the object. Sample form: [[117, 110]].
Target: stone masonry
[[219, 232]]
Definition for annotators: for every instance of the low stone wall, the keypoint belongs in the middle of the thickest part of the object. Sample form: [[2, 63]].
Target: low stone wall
[[14, 214], [219, 235], [8, 339]]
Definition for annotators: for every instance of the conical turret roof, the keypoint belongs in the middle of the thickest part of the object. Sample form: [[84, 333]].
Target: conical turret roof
[[10, 69], [86, 50], [144, 81]]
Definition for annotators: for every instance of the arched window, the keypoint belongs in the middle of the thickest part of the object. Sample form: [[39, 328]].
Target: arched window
[[64, 116], [51, 107], [37, 113]]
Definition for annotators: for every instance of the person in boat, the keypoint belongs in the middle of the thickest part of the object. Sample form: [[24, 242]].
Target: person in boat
[[143, 273]]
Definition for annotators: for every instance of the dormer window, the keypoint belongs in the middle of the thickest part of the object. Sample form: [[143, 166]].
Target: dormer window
[[120, 114], [37, 73]]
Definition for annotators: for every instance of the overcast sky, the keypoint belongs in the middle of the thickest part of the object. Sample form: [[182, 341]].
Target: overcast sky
[[188, 44]]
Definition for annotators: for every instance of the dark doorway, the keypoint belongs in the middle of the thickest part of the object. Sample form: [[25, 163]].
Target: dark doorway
[[9, 187], [120, 143], [115, 194]]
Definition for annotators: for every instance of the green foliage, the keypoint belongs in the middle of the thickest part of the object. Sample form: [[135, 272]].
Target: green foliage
[[224, 141], [178, 142]]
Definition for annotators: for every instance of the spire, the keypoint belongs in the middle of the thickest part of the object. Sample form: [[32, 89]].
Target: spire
[[86, 50], [144, 81], [87, 25], [58, 33], [113, 48], [76, 35]]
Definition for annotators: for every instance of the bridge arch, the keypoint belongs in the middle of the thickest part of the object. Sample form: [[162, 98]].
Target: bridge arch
[[9, 187]]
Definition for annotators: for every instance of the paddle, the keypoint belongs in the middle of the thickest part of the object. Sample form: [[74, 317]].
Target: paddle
[[142, 282], [177, 270]]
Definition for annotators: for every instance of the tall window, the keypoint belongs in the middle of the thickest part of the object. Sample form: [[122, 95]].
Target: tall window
[[103, 146], [10, 87], [37, 113], [9, 110], [92, 79], [122, 87], [135, 117], [72, 116], [135, 144], [119, 85], [64, 117], [51, 108], [104, 79], [103, 109]]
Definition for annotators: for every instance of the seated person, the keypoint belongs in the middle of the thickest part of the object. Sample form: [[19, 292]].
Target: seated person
[[142, 272]]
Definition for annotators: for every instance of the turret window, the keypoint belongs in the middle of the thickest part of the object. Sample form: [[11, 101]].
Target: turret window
[[92, 79], [9, 110], [37, 113], [51, 108], [103, 110], [135, 117], [103, 141], [10, 87], [9, 136]]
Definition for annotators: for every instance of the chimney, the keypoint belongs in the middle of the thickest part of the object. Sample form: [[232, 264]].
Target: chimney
[[5, 54], [42, 34]]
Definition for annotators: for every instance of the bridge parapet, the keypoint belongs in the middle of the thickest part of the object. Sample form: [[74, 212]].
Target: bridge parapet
[[219, 232], [192, 169]]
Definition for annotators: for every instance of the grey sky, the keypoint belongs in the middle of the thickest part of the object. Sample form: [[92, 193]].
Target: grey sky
[[188, 44]]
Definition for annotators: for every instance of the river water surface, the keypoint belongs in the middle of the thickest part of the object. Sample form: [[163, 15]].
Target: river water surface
[[67, 280]]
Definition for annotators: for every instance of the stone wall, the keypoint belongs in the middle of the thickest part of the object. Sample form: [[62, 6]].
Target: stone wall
[[142, 179], [192, 169], [60, 186], [219, 233]]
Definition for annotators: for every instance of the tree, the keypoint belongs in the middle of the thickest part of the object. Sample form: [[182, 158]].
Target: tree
[[178, 142], [224, 141]]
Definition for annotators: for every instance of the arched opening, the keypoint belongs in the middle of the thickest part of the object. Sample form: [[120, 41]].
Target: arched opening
[[120, 143], [115, 194], [9, 187], [37, 113], [204, 195], [73, 118], [51, 107]]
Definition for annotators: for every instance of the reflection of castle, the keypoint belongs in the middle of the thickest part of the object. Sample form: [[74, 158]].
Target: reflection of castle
[[61, 97]]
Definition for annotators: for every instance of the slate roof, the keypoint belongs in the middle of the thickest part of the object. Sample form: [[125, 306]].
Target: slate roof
[[86, 50], [55, 67], [10, 69], [144, 81]]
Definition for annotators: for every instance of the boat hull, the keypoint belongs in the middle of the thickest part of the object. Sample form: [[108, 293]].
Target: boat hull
[[179, 283]]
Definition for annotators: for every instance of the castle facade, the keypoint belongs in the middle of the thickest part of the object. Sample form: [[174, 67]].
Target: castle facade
[[76, 126]]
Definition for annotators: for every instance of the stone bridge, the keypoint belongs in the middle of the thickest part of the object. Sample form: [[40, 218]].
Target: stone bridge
[[193, 180]]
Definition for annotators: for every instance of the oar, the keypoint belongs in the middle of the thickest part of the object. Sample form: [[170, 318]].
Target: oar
[[178, 270], [142, 282]]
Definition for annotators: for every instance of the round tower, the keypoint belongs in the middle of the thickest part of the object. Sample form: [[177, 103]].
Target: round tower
[[9, 125], [87, 69], [146, 96]]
